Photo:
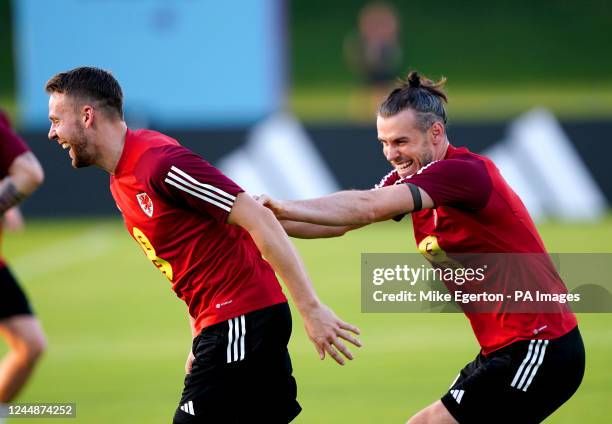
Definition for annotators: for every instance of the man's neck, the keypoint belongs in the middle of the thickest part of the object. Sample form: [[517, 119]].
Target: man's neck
[[110, 146], [443, 150]]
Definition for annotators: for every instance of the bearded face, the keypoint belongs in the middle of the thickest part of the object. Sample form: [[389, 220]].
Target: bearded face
[[68, 130]]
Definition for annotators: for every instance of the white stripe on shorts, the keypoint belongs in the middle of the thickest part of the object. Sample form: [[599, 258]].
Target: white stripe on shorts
[[229, 341], [535, 369], [235, 339], [525, 361], [534, 358], [530, 365], [243, 325]]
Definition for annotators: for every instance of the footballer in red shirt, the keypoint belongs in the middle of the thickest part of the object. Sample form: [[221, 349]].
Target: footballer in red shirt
[[176, 205], [20, 175], [463, 210], [207, 237]]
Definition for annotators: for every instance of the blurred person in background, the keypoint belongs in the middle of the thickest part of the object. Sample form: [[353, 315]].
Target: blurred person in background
[[21, 174], [374, 54], [530, 363], [207, 236]]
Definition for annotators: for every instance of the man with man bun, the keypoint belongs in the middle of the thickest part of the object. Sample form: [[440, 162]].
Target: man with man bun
[[530, 361]]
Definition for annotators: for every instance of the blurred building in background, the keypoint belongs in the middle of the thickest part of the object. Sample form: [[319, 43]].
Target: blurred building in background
[[181, 63], [263, 89]]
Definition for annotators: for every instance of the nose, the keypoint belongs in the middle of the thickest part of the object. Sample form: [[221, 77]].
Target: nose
[[52, 134], [391, 153]]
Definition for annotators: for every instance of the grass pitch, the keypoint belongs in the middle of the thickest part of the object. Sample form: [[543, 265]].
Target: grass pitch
[[118, 337]]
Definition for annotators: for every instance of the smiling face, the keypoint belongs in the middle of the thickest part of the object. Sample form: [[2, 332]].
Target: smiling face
[[68, 128], [405, 146]]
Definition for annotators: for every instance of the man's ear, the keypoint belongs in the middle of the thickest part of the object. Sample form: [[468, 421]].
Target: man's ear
[[438, 132], [87, 116]]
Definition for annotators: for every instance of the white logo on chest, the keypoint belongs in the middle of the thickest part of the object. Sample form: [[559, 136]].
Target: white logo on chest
[[146, 204]]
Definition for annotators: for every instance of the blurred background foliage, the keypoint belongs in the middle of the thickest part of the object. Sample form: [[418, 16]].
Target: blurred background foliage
[[477, 43], [500, 57]]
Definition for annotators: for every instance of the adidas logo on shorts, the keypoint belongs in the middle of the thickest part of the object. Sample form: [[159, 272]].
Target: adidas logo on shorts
[[188, 408], [457, 394]]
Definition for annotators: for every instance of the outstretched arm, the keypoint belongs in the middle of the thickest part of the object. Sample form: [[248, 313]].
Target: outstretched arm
[[13, 220], [24, 176], [351, 208], [305, 230], [324, 328]]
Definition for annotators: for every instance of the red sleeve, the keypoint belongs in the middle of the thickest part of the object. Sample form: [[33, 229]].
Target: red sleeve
[[180, 176], [390, 179], [11, 146], [458, 183]]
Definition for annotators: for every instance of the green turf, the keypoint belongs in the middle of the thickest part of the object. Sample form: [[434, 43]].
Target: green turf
[[118, 337]]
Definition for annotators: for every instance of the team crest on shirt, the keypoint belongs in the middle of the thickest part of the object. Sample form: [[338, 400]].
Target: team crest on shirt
[[146, 204]]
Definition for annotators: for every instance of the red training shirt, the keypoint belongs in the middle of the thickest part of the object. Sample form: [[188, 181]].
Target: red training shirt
[[175, 205], [477, 212]]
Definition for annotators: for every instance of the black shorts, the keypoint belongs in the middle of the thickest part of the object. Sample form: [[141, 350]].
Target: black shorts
[[242, 372], [13, 300], [521, 383]]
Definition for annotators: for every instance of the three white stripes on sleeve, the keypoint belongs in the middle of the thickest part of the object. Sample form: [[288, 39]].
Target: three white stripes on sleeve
[[211, 194], [235, 340]]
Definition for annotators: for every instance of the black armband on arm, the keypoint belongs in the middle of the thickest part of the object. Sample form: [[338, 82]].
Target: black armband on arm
[[416, 197], [9, 195]]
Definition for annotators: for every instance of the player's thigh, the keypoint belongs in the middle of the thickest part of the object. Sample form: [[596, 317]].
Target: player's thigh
[[519, 383], [436, 413], [242, 372], [13, 301], [270, 390], [23, 333], [18, 326], [560, 374], [265, 375]]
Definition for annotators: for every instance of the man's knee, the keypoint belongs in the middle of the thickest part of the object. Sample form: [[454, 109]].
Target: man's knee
[[435, 413], [25, 337], [35, 347]]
